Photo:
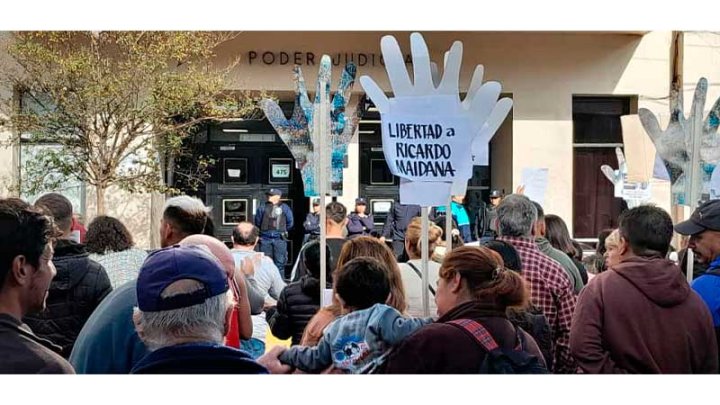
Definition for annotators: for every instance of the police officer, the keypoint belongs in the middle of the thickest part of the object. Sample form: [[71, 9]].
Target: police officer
[[397, 222], [360, 223], [274, 219], [312, 223], [485, 226]]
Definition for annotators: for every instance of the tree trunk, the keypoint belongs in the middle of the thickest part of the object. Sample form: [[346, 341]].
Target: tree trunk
[[100, 195]]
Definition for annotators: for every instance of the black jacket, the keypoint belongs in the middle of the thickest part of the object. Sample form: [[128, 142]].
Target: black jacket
[[533, 321], [359, 226], [298, 303], [77, 289], [398, 220], [484, 221], [198, 358], [21, 352]]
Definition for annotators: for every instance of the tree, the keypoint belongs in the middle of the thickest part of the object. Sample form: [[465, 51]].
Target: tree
[[117, 106]]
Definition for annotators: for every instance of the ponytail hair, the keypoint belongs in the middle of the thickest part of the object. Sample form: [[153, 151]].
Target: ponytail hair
[[485, 276]]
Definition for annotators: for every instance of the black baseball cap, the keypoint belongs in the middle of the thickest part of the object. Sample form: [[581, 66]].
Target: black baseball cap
[[705, 217], [360, 201], [274, 191], [495, 194]]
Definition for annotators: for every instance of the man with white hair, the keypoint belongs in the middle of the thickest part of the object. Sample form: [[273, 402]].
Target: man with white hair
[[550, 287], [184, 303]]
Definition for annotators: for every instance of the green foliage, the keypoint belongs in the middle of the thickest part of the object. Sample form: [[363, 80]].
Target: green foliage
[[117, 104]]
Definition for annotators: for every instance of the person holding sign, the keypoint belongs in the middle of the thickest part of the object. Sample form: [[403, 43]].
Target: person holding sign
[[274, 219]]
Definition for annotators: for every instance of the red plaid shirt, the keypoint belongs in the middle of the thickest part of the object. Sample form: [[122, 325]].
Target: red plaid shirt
[[552, 292]]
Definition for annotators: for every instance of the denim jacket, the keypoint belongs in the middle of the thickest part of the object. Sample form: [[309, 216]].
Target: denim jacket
[[355, 340]]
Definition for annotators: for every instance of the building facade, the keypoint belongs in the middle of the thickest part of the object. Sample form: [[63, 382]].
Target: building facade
[[569, 91]]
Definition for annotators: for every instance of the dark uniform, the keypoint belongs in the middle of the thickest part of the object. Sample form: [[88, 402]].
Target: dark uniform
[[485, 227], [359, 225], [312, 227], [397, 222], [274, 222]]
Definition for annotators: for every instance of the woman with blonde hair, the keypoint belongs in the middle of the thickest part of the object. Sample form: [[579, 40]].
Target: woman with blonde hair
[[612, 254], [362, 246], [411, 271], [474, 292]]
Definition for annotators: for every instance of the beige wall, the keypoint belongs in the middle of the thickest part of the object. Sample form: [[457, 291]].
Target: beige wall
[[541, 70]]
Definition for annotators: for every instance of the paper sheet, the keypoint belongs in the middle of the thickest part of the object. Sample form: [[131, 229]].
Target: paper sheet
[[535, 181]]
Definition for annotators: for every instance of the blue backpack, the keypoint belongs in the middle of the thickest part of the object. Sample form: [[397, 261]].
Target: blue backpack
[[498, 360]]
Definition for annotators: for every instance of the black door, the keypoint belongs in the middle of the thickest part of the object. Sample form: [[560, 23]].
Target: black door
[[249, 162]]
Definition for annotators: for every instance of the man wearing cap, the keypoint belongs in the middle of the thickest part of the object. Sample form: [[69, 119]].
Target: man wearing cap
[[182, 315], [274, 219], [485, 222], [360, 223], [704, 230], [312, 222]]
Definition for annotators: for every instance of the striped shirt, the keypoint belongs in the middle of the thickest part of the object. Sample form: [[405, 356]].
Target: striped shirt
[[551, 292]]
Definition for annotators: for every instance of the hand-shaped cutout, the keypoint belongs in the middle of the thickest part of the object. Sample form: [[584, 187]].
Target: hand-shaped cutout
[[689, 146], [301, 133], [428, 132], [633, 193]]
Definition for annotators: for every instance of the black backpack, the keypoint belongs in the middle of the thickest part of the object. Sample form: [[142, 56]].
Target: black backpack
[[497, 360]]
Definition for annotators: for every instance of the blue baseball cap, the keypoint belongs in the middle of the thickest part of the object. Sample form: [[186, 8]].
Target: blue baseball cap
[[166, 266], [360, 201], [274, 191]]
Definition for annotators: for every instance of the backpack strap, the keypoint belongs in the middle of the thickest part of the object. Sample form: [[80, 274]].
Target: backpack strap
[[478, 332], [417, 271]]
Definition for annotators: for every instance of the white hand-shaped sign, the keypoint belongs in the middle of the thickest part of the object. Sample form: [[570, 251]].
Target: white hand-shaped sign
[[633, 193], [428, 132]]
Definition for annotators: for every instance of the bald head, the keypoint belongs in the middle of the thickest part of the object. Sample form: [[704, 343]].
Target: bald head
[[245, 236], [216, 248]]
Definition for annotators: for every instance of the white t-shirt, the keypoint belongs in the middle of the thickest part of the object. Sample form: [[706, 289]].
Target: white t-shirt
[[412, 282]]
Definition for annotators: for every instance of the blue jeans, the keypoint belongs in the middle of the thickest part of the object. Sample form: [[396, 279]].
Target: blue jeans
[[465, 233], [254, 347], [276, 249]]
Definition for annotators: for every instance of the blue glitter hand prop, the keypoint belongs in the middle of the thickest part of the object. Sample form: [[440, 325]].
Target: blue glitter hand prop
[[301, 133], [689, 147]]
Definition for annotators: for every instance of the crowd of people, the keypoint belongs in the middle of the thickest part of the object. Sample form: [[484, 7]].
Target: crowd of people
[[513, 293]]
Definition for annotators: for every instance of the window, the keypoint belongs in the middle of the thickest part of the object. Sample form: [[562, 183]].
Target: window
[[235, 171], [234, 211], [30, 155], [33, 163]]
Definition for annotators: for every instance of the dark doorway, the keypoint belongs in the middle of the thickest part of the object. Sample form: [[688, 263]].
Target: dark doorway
[[250, 158], [597, 132]]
